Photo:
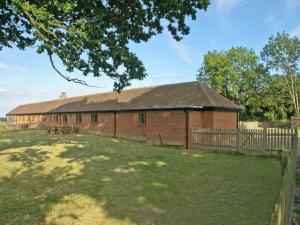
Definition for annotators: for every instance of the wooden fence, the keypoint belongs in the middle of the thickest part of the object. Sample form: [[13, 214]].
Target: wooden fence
[[295, 122], [250, 141], [283, 209], [281, 142]]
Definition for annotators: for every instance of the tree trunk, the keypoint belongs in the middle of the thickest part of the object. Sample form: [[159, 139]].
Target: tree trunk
[[293, 90]]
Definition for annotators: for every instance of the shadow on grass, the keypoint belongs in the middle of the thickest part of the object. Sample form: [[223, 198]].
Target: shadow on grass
[[20, 139], [92, 180]]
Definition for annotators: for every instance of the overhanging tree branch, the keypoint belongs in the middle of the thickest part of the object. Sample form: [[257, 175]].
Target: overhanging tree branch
[[74, 80], [93, 36]]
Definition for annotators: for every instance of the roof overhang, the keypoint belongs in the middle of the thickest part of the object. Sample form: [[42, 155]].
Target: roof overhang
[[155, 108]]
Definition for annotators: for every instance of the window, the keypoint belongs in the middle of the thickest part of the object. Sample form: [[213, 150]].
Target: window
[[44, 119], [94, 117], [28, 117], [78, 118], [56, 118], [50, 118], [65, 118], [142, 118]]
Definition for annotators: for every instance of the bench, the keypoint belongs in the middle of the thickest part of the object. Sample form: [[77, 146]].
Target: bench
[[60, 129], [65, 129]]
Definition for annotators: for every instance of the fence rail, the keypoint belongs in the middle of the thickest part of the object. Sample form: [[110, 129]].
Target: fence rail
[[266, 141], [282, 142]]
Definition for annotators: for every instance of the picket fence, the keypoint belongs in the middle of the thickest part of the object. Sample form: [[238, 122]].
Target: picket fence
[[251, 141]]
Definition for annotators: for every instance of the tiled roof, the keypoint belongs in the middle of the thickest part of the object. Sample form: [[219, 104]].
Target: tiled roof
[[180, 95]]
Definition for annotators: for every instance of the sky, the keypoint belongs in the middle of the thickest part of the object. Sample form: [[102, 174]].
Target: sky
[[27, 77]]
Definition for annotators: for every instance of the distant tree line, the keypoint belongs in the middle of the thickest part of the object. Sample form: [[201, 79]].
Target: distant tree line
[[267, 87]]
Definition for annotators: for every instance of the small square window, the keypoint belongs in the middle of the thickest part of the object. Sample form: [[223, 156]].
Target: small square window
[[142, 118], [78, 118], [94, 117]]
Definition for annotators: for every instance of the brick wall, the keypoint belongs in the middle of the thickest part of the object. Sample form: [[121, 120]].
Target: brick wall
[[166, 127], [162, 127], [225, 120], [105, 125], [128, 126]]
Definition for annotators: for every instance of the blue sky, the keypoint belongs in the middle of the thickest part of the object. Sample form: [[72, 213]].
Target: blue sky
[[26, 76]]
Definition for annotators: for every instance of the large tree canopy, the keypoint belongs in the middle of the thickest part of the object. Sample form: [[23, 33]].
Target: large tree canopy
[[273, 102], [92, 36], [236, 74], [282, 53], [239, 75]]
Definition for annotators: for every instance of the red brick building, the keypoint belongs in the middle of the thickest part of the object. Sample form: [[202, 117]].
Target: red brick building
[[161, 114]]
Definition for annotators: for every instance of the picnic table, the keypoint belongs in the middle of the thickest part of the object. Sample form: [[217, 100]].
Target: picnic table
[[60, 129]]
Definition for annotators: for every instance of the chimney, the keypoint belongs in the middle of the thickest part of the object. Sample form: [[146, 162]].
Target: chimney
[[63, 95]]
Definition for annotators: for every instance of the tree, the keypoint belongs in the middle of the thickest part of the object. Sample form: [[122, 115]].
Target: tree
[[273, 102], [92, 36], [282, 53], [236, 74]]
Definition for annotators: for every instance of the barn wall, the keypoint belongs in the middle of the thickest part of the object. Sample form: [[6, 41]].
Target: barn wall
[[225, 120], [162, 126], [128, 126], [166, 127], [105, 125]]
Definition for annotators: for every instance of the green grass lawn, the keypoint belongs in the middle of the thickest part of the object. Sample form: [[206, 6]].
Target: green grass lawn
[[2, 126], [88, 179]]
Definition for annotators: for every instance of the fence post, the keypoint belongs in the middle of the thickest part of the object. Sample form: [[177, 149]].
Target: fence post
[[238, 139], [265, 140], [296, 143], [294, 156]]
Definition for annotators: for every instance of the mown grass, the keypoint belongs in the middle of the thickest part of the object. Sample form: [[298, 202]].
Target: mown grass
[[88, 179], [2, 126]]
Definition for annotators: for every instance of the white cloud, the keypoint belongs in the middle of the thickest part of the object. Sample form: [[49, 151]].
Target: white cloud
[[11, 68], [273, 21], [3, 66], [3, 90], [292, 4], [180, 49], [224, 7], [296, 31], [270, 18], [222, 11]]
